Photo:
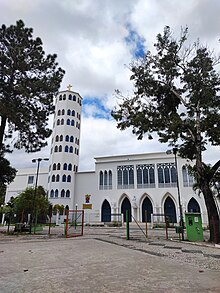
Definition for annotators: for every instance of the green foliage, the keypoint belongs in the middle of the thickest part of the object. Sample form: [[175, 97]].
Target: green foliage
[[58, 207], [177, 97], [7, 175], [26, 201], [29, 79]]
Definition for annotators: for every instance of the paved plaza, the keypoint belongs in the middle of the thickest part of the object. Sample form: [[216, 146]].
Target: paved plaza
[[104, 261]]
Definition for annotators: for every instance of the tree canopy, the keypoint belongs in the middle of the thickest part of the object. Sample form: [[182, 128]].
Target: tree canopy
[[7, 175], [177, 96], [26, 201], [29, 79]]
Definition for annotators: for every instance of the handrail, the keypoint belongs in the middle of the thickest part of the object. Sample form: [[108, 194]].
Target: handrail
[[139, 227]]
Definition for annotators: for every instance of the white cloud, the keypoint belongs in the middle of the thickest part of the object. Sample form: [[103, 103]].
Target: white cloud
[[89, 38]]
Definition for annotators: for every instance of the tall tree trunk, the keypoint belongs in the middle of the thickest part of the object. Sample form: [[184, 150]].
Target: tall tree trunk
[[2, 130], [203, 181], [213, 216]]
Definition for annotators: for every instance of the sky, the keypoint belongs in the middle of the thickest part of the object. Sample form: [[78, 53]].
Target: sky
[[95, 41]]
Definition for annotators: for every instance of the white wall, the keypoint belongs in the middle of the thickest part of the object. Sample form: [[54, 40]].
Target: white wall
[[20, 182]]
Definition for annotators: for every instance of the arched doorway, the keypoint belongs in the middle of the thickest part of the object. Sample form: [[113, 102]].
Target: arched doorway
[[193, 206], [106, 212], [126, 205], [147, 206], [170, 209]]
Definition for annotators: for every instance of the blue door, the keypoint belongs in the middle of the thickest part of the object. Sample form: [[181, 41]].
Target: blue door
[[170, 210], [147, 206], [193, 206], [126, 206], [106, 211]]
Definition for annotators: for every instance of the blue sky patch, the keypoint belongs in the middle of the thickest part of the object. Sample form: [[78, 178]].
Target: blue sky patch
[[93, 106], [135, 42]]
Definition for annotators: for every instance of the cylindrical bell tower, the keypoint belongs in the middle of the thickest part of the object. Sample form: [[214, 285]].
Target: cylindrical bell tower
[[64, 156]]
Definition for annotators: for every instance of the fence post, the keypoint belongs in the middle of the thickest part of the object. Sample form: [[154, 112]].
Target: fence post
[[67, 219], [146, 222], [127, 225], [50, 216], [167, 224]]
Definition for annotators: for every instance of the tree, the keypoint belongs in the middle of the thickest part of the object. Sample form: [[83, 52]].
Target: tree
[[7, 175], [29, 79], [58, 208], [25, 202], [177, 96]]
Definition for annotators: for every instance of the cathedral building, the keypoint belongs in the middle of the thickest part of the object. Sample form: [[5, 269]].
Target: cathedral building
[[154, 182]]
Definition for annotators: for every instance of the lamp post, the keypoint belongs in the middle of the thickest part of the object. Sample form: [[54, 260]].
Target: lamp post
[[181, 222], [2, 219], [35, 191]]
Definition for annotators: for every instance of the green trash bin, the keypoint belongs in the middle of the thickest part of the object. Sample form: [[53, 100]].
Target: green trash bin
[[194, 229]]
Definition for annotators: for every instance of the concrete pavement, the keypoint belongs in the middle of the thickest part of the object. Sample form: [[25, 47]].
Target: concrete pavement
[[86, 264]]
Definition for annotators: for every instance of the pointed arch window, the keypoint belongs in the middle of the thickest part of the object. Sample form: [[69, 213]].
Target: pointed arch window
[[58, 113], [57, 138], [65, 166], [64, 97], [167, 176], [70, 167], [52, 193], [61, 137], [67, 138], [60, 148], [72, 122], [56, 193], [62, 193], [68, 112], [60, 98], [53, 178], [110, 178], [71, 138], [71, 149], [58, 121], [100, 179], [57, 178], [56, 149], [68, 122], [125, 175], [62, 122], [67, 193], [63, 112], [74, 98], [66, 149], [188, 179], [105, 180], [68, 178], [145, 175], [54, 166], [73, 113], [70, 97], [64, 178], [58, 166]]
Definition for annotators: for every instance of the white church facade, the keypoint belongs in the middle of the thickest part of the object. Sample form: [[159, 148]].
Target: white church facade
[[134, 182]]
